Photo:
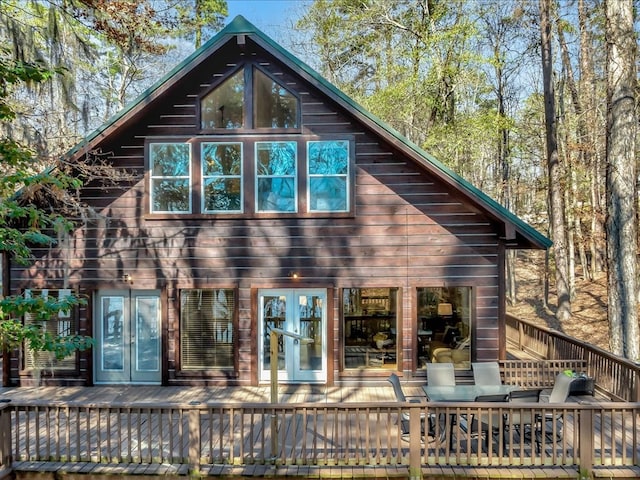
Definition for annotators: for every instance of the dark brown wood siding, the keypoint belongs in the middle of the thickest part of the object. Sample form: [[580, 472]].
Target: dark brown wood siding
[[407, 231]]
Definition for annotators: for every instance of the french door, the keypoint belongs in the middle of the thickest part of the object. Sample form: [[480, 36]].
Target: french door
[[301, 312], [127, 334]]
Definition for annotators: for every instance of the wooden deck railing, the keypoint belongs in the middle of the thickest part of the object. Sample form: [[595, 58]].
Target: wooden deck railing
[[346, 434], [537, 373], [616, 377]]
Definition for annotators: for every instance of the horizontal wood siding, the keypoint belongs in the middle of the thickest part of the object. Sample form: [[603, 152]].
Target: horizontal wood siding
[[408, 231]]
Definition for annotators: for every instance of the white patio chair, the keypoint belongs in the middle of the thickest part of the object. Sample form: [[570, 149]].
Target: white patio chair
[[441, 374], [486, 373]]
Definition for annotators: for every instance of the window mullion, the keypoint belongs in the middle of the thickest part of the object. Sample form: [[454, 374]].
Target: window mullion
[[248, 97]]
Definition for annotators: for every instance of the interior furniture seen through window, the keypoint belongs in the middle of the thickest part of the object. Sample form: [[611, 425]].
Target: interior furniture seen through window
[[370, 328], [206, 329], [444, 326]]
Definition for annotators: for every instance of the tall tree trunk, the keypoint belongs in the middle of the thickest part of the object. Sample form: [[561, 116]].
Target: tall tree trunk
[[590, 150], [621, 223], [554, 167], [576, 163]]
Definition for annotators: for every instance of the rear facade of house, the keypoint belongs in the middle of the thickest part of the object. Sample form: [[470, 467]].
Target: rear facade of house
[[262, 197]]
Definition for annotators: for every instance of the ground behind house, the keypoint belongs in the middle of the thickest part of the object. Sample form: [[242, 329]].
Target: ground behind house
[[589, 309]]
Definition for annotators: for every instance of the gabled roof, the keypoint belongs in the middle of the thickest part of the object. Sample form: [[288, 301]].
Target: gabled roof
[[517, 228]]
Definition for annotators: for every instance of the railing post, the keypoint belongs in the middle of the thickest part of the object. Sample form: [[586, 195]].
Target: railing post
[[415, 439], [585, 439], [193, 419], [5, 436], [520, 335]]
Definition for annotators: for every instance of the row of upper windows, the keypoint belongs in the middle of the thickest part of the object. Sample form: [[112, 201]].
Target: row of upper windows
[[277, 174]]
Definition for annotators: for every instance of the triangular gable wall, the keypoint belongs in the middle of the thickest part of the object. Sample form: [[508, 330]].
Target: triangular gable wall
[[517, 233]]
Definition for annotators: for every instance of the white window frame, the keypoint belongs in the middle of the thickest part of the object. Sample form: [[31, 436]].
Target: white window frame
[[203, 207], [346, 176], [153, 177], [293, 176]]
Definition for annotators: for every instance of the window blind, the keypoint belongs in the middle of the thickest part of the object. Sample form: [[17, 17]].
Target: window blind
[[206, 329]]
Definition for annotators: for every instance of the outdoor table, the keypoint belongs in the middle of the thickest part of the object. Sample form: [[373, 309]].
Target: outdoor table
[[465, 393], [462, 394]]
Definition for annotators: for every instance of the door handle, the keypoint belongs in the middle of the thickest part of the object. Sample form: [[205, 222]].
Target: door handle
[[296, 341]]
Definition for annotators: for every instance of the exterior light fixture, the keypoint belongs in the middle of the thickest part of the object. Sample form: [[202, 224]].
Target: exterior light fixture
[[126, 278]]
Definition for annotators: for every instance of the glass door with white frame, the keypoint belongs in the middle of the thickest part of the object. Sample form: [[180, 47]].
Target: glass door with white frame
[[127, 334], [301, 312]]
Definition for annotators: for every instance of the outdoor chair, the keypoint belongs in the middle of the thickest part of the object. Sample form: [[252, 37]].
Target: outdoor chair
[[488, 425], [561, 388], [441, 374], [486, 373], [394, 380], [551, 422], [531, 423], [518, 424]]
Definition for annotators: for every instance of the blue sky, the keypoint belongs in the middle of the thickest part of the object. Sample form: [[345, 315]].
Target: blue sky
[[273, 17]]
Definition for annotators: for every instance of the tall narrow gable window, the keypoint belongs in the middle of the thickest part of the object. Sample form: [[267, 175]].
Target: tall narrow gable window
[[224, 106], [328, 163], [222, 177], [170, 166], [275, 106], [276, 177]]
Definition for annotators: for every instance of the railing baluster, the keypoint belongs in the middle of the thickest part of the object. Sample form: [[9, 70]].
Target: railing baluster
[[194, 440]]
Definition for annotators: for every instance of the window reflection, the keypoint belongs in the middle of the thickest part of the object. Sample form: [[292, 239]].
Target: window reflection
[[170, 165], [328, 175], [222, 176], [206, 329], [224, 106], [276, 176], [275, 106]]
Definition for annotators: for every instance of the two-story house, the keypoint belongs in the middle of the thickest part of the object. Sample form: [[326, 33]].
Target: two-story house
[[265, 197]]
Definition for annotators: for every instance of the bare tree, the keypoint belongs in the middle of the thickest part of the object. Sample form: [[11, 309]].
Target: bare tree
[[621, 222], [591, 151], [554, 168]]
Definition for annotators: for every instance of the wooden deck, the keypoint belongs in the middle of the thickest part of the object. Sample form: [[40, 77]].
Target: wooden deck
[[203, 395], [290, 395]]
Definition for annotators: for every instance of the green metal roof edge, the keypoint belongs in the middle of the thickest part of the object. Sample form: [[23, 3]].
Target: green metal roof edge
[[241, 25]]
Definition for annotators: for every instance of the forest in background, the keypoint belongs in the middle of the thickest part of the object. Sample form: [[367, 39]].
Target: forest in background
[[463, 79]]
